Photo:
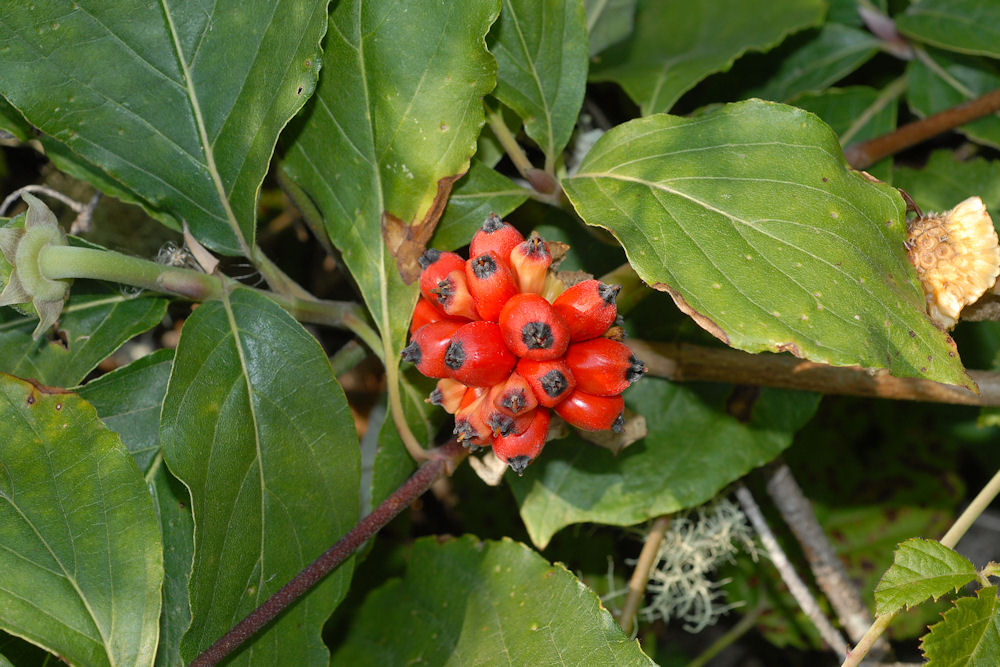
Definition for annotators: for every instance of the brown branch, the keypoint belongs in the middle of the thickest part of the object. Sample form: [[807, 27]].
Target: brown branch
[[640, 576], [827, 568], [867, 153], [684, 362], [445, 458]]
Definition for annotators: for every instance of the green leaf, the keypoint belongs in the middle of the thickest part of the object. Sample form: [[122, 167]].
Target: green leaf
[[95, 325], [943, 80], [676, 45], [751, 219], [259, 431], [608, 22], [173, 509], [485, 603], [834, 52], [921, 569], [856, 113], [945, 181], [13, 122], [477, 194], [81, 564], [227, 79], [693, 449], [541, 51], [128, 400], [967, 26], [387, 127], [969, 635]]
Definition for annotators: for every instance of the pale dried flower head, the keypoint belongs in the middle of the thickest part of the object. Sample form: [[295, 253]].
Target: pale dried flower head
[[956, 256]]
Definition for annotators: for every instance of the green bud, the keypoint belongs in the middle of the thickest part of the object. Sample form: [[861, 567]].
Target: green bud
[[24, 285]]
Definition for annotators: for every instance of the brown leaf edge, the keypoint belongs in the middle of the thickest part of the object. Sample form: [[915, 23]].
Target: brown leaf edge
[[407, 242], [702, 321]]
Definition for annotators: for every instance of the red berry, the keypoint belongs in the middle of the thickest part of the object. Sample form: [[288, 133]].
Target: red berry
[[588, 308], [516, 395], [437, 265], [593, 413], [532, 329], [477, 355], [495, 235], [530, 262], [470, 429], [603, 367], [426, 312], [452, 296], [429, 345], [448, 394], [551, 381], [490, 282], [519, 449]]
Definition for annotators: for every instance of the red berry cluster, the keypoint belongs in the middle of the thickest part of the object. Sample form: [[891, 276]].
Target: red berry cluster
[[505, 355]]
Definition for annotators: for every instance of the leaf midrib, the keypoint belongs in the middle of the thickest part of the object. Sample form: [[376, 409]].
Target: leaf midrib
[[206, 145]]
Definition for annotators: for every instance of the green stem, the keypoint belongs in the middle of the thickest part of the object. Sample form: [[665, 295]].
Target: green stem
[[410, 441], [544, 181], [508, 142], [950, 540], [62, 262]]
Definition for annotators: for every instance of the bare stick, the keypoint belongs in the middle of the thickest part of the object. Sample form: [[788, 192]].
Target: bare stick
[[640, 576], [827, 568], [684, 362], [445, 458], [867, 153], [795, 585]]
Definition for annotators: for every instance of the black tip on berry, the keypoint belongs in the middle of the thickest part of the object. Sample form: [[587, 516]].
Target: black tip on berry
[[519, 463], [436, 397], [463, 431], [536, 246], [493, 223], [635, 370], [619, 423], [430, 256], [500, 424], [454, 356], [411, 353], [483, 266], [514, 400], [554, 383], [537, 336], [608, 292], [444, 291]]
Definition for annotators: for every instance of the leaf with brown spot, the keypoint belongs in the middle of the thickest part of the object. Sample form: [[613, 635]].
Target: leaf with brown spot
[[386, 133], [727, 212], [407, 242]]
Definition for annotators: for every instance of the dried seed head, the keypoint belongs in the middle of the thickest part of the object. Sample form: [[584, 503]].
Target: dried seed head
[[956, 256]]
